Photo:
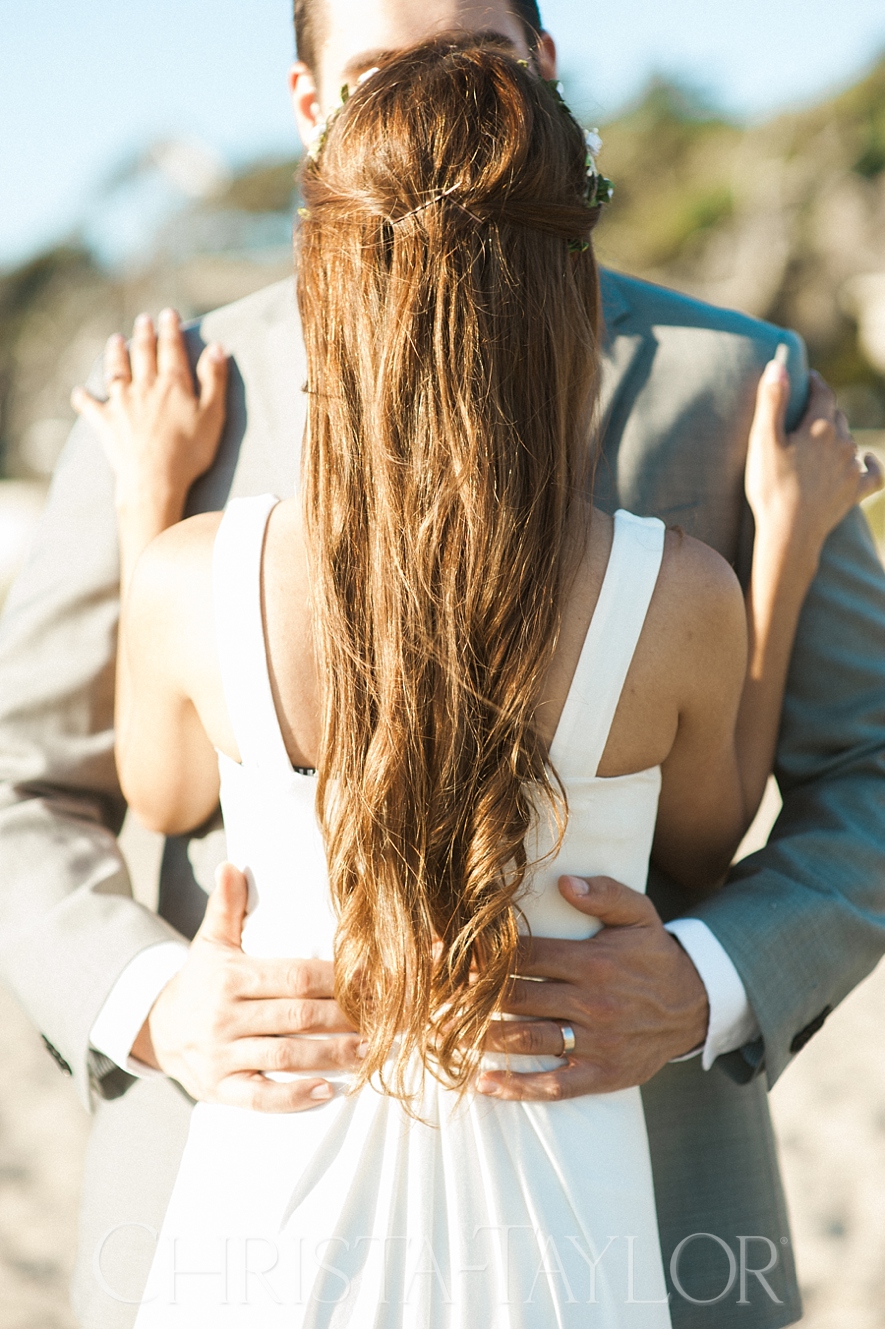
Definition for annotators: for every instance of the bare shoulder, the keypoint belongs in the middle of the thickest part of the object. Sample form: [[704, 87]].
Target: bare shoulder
[[170, 606], [187, 540], [175, 557], [699, 607], [697, 581], [700, 621]]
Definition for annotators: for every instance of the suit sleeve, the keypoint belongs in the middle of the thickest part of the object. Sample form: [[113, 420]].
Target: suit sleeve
[[803, 920], [68, 923]]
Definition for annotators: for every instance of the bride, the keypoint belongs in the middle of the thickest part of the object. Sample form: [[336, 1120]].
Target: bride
[[423, 690]]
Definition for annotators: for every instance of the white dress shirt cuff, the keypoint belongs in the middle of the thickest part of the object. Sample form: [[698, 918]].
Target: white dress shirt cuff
[[732, 1022], [127, 1004]]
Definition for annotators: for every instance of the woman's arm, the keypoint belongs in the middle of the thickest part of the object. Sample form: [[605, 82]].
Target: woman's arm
[[159, 436], [799, 488], [167, 765]]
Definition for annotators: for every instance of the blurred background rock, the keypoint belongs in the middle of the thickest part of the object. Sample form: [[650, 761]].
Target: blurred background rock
[[784, 219]]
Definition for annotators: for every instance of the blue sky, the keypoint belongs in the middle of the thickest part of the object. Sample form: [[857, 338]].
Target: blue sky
[[86, 84]]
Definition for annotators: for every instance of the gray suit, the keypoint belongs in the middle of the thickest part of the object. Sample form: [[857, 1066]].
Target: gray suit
[[803, 921]]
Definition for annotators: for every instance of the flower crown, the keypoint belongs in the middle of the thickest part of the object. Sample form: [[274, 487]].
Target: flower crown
[[599, 188]]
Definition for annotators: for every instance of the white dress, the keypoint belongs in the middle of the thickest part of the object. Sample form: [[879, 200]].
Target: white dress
[[491, 1215]]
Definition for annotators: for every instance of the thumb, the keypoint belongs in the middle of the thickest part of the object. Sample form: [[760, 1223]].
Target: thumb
[[614, 904], [872, 479], [212, 378], [772, 399], [92, 410], [226, 909]]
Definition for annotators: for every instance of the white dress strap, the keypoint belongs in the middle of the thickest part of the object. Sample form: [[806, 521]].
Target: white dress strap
[[597, 684], [239, 633]]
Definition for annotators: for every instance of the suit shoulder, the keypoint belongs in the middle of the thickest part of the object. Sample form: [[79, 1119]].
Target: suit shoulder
[[633, 300], [269, 310]]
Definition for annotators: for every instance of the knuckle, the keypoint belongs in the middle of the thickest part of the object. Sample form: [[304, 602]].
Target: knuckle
[[226, 984], [605, 1009], [529, 1039], [521, 1039], [298, 980], [601, 971], [279, 1054], [307, 1015], [346, 1052], [608, 1049], [217, 1029], [298, 1017]]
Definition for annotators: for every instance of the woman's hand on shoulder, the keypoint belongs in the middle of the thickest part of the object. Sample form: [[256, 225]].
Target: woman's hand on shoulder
[[159, 429], [801, 485]]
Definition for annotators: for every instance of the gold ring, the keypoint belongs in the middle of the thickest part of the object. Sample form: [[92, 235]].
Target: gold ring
[[568, 1038]]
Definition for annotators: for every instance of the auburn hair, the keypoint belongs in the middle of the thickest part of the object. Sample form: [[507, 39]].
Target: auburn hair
[[449, 301]]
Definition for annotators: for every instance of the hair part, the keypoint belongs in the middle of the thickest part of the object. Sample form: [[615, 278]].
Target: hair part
[[451, 337]]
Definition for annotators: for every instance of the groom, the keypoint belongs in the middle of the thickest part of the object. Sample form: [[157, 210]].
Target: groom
[[755, 970]]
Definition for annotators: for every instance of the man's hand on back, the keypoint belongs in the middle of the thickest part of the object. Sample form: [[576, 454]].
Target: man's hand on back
[[227, 1019], [632, 996]]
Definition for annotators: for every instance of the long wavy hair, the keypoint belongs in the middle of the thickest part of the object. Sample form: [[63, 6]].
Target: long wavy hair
[[449, 301]]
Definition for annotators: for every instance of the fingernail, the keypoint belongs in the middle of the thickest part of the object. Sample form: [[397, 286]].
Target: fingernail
[[486, 1086], [115, 339], [578, 886], [323, 1090], [362, 1048], [142, 322], [217, 352], [775, 372], [782, 354], [167, 315]]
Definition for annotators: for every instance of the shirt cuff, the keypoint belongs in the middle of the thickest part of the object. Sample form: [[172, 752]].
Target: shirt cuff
[[129, 1001], [732, 1022]]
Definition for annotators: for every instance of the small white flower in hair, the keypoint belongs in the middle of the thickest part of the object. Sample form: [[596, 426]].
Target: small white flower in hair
[[593, 141], [319, 132], [315, 142]]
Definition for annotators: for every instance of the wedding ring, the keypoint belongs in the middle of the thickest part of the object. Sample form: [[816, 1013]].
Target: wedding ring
[[568, 1038]]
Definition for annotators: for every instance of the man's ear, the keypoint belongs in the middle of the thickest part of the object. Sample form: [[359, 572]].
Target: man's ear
[[547, 55], [305, 100]]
